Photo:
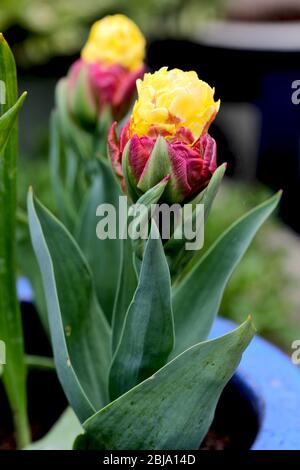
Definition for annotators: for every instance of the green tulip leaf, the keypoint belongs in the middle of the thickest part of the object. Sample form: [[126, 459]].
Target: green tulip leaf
[[83, 100], [64, 200], [196, 300], [131, 254], [174, 408], [209, 193], [126, 287], [148, 333], [79, 331], [29, 268], [175, 247], [79, 140], [103, 256], [8, 119], [14, 371], [142, 212]]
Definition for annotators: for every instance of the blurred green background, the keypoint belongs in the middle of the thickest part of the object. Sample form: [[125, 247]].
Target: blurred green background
[[40, 30]]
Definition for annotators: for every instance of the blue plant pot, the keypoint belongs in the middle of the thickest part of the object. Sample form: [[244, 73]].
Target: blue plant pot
[[270, 382]]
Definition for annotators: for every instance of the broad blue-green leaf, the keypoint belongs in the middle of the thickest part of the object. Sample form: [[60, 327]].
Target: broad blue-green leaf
[[174, 408], [126, 287], [62, 434], [79, 331], [128, 276], [196, 300], [148, 334], [29, 267], [14, 375], [137, 263], [103, 256]]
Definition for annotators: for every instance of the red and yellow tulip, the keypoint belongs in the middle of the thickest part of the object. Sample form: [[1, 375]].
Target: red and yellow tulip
[[105, 75], [167, 135]]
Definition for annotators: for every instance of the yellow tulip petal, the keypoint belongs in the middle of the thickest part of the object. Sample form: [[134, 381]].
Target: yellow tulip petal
[[171, 99], [113, 40]]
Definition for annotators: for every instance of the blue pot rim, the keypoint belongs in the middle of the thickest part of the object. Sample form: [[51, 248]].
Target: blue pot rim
[[274, 382]]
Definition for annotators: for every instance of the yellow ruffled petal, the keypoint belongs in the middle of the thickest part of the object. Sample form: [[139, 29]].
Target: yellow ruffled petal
[[113, 40], [171, 99]]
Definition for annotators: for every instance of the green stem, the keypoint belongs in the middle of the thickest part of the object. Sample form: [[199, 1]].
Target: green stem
[[40, 363], [22, 216], [22, 427]]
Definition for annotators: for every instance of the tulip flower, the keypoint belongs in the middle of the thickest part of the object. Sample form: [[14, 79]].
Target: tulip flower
[[166, 135], [104, 77]]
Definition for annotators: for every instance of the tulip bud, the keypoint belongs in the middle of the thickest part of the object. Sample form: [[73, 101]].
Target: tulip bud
[[81, 98], [104, 78], [167, 136]]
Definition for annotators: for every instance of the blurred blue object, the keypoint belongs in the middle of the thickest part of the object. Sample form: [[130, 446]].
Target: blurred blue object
[[24, 290]]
